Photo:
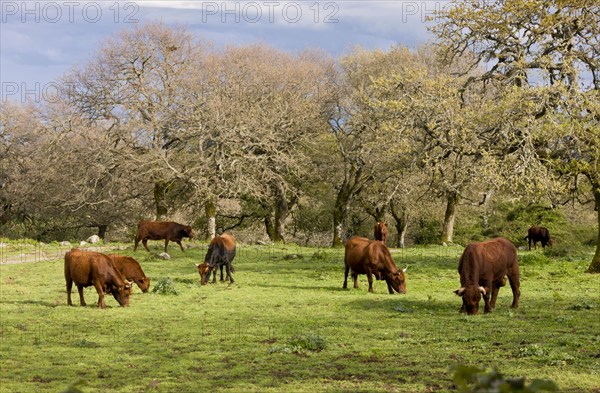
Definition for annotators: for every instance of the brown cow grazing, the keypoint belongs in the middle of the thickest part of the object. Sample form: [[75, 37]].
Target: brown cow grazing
[[381, 231], [131, 270], [158, 230], [482, 268], [538, 234], [221, 252], [364, 256], [87, 268]]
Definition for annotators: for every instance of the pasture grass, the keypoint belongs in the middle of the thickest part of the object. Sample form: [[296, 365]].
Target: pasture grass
[[286, 324]]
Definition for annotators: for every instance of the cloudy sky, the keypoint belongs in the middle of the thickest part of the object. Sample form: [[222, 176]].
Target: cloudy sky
[[40, 40]]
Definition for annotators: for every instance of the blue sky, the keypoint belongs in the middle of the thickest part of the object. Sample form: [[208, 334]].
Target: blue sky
[[40, 40]]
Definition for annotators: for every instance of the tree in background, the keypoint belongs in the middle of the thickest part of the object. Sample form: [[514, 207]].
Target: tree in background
[[553, 49], [135, 89], [367, 151], [263, 117], [60, 172]]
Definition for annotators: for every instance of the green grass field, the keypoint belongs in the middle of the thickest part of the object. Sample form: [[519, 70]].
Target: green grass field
[[287, 325]]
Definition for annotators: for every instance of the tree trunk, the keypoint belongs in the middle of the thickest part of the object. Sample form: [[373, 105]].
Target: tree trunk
[[352, 185], [401, 218], [337, 229], [281, 211], [269, 226], [160, 200], [595, 265], [448, 228], [210, 209], [340, 213]]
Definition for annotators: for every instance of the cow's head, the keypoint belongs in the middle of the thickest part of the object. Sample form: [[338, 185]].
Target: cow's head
[[188, 231], [121, 293], [397, 280], [203, 269], [143, 283], [471, 296]]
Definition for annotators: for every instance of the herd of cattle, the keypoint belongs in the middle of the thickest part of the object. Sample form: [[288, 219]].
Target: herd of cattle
[[483, 266]]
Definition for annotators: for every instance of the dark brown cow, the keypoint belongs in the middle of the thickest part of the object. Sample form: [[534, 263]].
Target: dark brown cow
[[482, 268], [158, 230], [538, 234], [364, 256], [221, 252], [131, 270], [381, 231], [86, 268]]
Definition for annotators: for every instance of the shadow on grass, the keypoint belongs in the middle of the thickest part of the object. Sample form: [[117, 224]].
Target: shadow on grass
[[302, 287], [35, 302], [404, 304]]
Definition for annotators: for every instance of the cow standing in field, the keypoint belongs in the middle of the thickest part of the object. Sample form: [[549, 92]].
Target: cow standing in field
[[158, 230], [372, 257], [482, 268], [87, 268], [131, 270], [381, 232], [221, 252], [538, 234]]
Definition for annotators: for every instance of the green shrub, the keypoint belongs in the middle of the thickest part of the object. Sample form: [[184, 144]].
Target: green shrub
[[428, 231], [533, 258], [561, 250], [311, 342], [165, 286], [301, 344], [473, 380]]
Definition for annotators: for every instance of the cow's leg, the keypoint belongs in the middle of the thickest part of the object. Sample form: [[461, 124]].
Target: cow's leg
[[221, 269], [69, 287], [489, 287], [180, 246], [370, 279], [81, 299], [214, 272], [513, 278], [495, 290], [390, 288], [145, 243], [355, 278], [100, 290], [228, 268], [166, 244], [529, 240], [346, 271]]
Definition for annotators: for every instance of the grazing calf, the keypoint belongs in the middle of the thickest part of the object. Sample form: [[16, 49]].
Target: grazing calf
[[86, 268], [156, 230], [381, 231], [482, 268], [131, 270], [538, 234], [364, 256], [221, 252]]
